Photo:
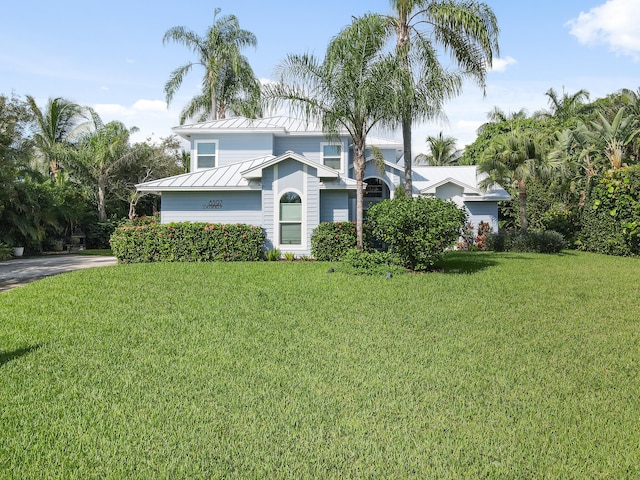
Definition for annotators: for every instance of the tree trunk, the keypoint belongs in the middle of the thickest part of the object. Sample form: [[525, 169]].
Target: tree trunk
[[102, 213], [406, 139], [359, 164], [522, 197]]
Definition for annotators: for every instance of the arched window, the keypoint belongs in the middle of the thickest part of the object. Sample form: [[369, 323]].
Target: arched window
[[290, 219]]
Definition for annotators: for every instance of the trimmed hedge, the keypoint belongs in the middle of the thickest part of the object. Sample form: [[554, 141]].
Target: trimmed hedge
[[330, 241], [534, 242], [187, 242], [418, 230]]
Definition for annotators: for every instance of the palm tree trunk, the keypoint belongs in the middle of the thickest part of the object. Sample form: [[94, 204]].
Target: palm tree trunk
[[406, 139], [522, 197], [102, 213], [359, 164]]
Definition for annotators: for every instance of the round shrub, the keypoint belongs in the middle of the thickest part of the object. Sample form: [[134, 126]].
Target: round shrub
[[417, 229], [330, 241]]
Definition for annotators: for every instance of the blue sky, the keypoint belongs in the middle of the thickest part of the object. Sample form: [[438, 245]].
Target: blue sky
[[110, 55]]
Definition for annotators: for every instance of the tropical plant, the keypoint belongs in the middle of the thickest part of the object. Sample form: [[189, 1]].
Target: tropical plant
[[228, 84], [442, 151], [468, 30], [56, 126], [351, 91], [567, 107], [98, 157], [513, 160]]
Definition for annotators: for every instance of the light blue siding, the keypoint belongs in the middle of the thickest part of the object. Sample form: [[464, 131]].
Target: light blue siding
[[449, 190], [290, 176], [233, 148], [334, 206], [483, 212], [213, 207], [268, 202]]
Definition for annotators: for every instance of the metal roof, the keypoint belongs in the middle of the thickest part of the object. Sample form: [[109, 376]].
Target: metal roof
[[426, 179]]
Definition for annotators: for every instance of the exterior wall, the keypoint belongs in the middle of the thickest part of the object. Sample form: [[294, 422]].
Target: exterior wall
[[450, 191], [310, 147], [213, 207], [234, 148], [334, 206], [483, 212]]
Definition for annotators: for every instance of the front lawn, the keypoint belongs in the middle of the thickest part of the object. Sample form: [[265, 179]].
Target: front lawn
[[501, 366]]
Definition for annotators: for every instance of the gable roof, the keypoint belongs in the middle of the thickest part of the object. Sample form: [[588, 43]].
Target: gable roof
[[241, 176], [427, 179], [255, 171]]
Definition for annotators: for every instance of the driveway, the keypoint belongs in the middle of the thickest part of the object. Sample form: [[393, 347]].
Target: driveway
[[19, 271]]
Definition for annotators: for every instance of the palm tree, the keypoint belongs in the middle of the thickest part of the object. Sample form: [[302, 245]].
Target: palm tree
[[442, 151], [466, 29], [55, 128], [565, 107], [228, 84], [615, 139], [99, 155], [351, 90], [515, 159]]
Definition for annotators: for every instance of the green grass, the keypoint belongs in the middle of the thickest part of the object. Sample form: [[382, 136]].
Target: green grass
[[501, 366]]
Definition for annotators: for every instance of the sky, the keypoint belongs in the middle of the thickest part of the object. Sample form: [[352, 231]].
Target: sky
[[110, 55]]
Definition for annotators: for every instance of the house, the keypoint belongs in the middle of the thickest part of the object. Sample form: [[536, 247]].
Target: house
[[283, 174]]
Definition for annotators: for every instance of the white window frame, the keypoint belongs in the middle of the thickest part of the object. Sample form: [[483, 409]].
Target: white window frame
[[292, 246], [194, 154], [332, 144]]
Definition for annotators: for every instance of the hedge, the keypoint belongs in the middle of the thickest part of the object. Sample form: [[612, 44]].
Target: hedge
[[187, 242], [330, 241]]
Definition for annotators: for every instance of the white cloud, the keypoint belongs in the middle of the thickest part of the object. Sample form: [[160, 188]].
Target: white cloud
[[501, 64], [614, 23], [151, 116]]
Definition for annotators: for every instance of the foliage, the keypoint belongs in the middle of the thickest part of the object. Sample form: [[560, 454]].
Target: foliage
[[5, 251], [228, 83], [611, 217], [357, 262], [442, 151], [418, 229], [330, 241], [546, 241], [273, 255], [187, 242], [99, 233], [484, 230], [289, 256]]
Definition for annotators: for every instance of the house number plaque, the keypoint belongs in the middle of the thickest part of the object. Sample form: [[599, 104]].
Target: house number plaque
[[213, 204]]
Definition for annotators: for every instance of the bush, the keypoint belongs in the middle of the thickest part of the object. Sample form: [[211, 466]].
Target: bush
[[187, 242], [418, 229], [330, 241], [535, 242], [99, 234], [5, 251], [372, 263], [611, 216]]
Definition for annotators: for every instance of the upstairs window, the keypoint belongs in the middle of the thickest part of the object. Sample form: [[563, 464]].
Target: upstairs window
[[290, 219], [332, 155], [206, 154]]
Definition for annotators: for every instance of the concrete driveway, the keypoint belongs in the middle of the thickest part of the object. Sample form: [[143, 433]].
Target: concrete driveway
[[19, 271]]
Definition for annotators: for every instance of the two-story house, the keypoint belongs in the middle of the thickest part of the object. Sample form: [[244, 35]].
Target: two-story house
[[283, 174]]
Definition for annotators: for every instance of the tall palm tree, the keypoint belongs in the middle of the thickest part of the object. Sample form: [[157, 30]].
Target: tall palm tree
[[350, 90], [515, 159], [466, 29], [228, 84], [615, 139], [55, 128], [442, 151]]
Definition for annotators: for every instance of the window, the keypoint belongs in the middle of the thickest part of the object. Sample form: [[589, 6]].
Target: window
[[332, 155], [290, 219], [206, 154]]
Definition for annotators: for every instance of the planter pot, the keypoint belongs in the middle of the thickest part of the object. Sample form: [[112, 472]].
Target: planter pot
[[18, 251], [58, 246]]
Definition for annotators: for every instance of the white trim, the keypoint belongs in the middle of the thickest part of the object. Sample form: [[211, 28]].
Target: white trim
[[303, 222], [342, 154], [194, 154]]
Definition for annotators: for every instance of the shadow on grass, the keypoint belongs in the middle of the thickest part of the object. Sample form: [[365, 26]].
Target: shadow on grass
[[6, 357], [464, 262]]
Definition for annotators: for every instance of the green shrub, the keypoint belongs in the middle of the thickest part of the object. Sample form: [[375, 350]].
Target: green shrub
[[418, 229], [372, 263], [5, 251], [565, 222], [99, 234], [330, 241], [187, 242], [273, 255], [289, 256], [611, 216], [535, 242]]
